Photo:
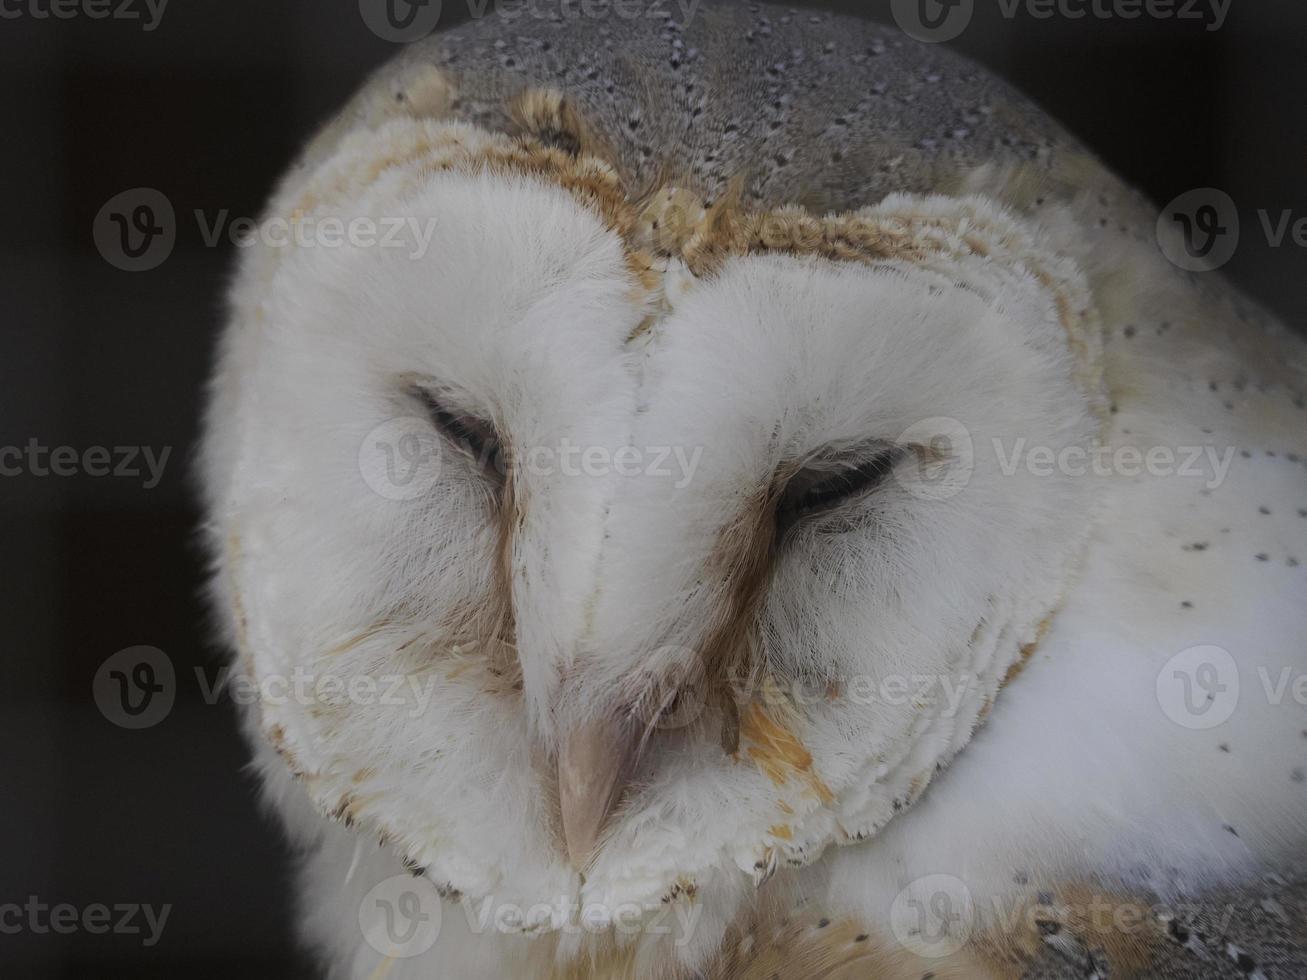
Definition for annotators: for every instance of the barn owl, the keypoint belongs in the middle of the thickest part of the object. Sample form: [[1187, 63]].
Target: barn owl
[[745, 495]]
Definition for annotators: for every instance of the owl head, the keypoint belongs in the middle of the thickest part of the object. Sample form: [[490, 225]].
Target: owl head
[[628, 545]]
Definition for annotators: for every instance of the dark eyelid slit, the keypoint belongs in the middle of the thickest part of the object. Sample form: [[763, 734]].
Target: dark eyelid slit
[[828, 482], [473, 435]]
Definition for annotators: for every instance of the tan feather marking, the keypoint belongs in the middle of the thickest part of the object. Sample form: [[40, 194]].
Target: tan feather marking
[[551, 117], [801, 947], [368, 633], [604, 961], [742, 560], [512, 519], [1027, 650], [728, 232], [425, 148], [238, 604], [276, 737], [350, 806], [669, 218], [1121, 929], [777, 751], [806, 947]]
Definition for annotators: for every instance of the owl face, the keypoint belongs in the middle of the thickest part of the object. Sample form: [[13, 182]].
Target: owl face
[[551, 553]]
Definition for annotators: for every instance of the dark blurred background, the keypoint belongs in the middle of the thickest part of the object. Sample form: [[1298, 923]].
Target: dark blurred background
[[208, 107]]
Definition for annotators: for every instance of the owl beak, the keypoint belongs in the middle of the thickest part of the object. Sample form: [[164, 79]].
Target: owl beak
[[594, 765]]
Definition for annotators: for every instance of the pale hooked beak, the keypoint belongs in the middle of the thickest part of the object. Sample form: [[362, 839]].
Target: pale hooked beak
[[594, 766]]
